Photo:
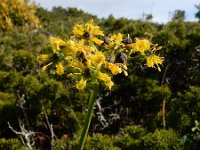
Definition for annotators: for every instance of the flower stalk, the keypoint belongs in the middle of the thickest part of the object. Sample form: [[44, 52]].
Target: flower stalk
[[89, 57], [88, 119]]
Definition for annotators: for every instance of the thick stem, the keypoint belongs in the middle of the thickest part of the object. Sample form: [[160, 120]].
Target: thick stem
[[88, 119]]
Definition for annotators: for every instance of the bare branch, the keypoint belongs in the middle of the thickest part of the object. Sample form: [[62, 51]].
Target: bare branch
[[25, 135]]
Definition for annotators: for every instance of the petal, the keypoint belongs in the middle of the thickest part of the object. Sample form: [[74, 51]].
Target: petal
[[59, 69]]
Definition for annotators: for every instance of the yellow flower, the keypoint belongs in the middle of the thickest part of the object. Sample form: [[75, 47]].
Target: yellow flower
[[89, 49], [56, 43], [71, 48], [96, 40], [117, 38], [97, 59], [154, 60], [106, 78], [81, 84], [114, 42], [115, 69], [94, 30], [59, 69], [43, 58], [78, 29], [78, 65], [89, 31], [141, 45]]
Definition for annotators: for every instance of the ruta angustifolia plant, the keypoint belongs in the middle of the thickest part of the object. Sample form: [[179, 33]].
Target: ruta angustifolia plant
[[89, 59]]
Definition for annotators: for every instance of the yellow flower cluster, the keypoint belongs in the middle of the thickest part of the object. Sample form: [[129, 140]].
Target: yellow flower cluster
[[90, 57], [15, 12]]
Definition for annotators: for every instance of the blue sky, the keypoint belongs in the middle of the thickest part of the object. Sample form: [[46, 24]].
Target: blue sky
[[162, 10]]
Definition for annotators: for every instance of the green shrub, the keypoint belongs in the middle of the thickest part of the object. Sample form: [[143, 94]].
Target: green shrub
[[137, 138], [7, 96], [130, 138], [24, 61], [191, 140], [162, 140], [100, 142], [62, 143], [10, 144], [184, 110]]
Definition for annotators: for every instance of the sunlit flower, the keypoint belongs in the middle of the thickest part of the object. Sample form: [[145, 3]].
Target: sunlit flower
[[106, 79], [81, 84], [89, 48], [95, 30], [59, 69], [84, 59], [115, 69], [78, 65], [71, 48], [141, 45], [78, 29], [97, 59], [56, 43], [154, 60], [89, 32], [96, 40], [114, 42], [117, 38]]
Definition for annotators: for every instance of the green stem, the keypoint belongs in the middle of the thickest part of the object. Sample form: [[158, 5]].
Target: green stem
[[87, 120], [163, 113]]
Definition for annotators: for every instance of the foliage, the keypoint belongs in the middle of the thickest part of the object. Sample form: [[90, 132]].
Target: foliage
[[100, 142], [135, 137], [11, 144], [197, 15], [179, 15], [162, 139], [184, 109]]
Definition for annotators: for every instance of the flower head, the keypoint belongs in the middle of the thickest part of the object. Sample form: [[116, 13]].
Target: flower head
[[56, 43], [89, 32], [106, 79], [115, 69], [97, 59], [141, 45], [154, 60], [59, 69], [87, 57], [81, 84]]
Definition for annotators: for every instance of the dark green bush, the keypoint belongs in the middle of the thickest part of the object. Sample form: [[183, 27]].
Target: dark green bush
[[8, 113], [184, 110]]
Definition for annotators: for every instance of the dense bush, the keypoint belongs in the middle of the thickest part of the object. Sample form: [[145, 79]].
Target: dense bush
[[10, 144]]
